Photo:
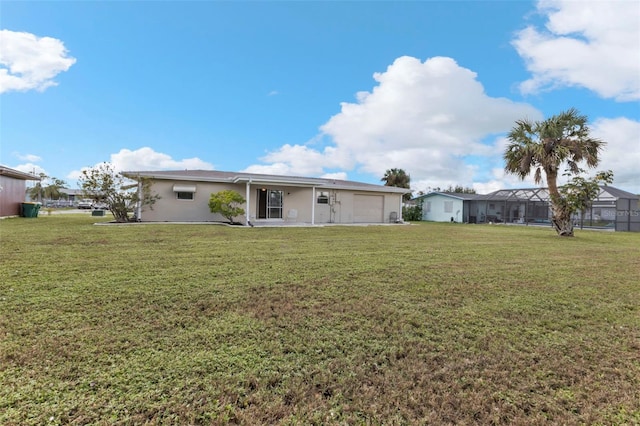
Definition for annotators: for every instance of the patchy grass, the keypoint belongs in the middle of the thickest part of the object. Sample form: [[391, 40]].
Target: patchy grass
[[421, 324]]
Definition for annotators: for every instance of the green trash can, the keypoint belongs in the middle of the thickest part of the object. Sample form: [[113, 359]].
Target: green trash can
[[30, 209]]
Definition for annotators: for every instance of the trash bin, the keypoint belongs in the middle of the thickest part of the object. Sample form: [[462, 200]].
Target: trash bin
[[97, 212], [30, 209]]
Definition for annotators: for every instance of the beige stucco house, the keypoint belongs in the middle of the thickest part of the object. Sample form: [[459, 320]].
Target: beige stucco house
[[271, 199]]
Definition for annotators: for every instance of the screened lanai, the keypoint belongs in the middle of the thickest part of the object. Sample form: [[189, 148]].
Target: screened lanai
[[613, 209]]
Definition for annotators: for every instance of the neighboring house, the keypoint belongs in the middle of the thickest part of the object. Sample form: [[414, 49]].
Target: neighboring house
[[271, 199], [73, 195], [445, 206], [613, 208], [13, 188]]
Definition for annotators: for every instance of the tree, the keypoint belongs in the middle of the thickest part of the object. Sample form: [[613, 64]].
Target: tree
[[579, 193], [52, 191], [47, 188], [413, 213], [398, 178], [227, 203], [547, 145], [36, 192], [103, 184], [459, 189]]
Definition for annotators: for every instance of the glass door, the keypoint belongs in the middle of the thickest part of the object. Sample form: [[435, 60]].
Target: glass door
[[269, 204]]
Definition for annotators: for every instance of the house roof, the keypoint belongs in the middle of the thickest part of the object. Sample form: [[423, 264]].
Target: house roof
[[456, 195], [236, 177], [619, 193], [607, 193], [542, 194], [17, 174]]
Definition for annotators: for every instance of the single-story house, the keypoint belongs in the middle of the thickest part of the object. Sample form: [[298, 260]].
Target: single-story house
[[270, 199], [613, 208], [445, 206], [13, 188]]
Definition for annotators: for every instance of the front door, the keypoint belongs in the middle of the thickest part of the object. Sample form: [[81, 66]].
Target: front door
[[269, 204]]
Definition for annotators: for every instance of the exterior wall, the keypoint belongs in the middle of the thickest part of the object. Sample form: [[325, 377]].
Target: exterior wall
[[12, 195], [297, 204], [343, 209], [170, 209], [437, 211]]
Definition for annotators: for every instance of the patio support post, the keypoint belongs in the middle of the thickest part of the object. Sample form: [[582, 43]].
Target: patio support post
[[139, 203], [248, 197], [313, 205]]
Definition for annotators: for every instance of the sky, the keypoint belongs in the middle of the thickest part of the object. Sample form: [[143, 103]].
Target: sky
[[338, 89]]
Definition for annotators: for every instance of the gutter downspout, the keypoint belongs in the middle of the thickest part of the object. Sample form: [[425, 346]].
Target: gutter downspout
[[400, 210], [248, 193]]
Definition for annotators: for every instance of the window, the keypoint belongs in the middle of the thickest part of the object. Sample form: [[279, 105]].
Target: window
[[323, 197], [184, 195], [184, 192], [448, 206], [427, 207]]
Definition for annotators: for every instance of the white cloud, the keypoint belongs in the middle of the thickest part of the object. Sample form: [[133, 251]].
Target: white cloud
[[592, 44], [336, 175], [293, 160], [281, 169], [34, 169], [147, 159], [30, 62], [423, 117], [32, 158], [622, 152]]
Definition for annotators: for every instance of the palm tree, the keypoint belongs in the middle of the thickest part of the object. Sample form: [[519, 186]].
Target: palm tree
[[53, 190], [36, 191], [545, 146], [398, 178]]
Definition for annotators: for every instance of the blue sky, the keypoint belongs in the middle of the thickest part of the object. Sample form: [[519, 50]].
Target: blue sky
[[343, 89]]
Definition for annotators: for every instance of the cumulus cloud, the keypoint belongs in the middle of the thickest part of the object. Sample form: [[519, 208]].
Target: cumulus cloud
[[147, 159], [592, 44], [34, 169], [292, 160], [424, 117], [30, 62], [336, 175], [622, 152], [32, 158]]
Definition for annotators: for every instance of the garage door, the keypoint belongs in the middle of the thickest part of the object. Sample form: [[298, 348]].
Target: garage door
[[368, 208]]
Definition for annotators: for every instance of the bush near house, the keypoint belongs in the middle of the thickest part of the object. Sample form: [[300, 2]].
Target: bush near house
[[418, 324], [227, 203]]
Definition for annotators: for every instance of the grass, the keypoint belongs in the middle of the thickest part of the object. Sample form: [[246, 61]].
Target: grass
[[421, 324]]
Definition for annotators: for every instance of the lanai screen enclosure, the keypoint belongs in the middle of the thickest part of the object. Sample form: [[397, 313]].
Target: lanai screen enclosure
[[613, 208]]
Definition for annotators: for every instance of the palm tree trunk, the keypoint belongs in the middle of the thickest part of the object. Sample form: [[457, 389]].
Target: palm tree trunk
[[560, 214]]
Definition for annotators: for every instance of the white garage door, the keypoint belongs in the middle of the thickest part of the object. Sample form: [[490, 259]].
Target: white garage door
[[368, 208]]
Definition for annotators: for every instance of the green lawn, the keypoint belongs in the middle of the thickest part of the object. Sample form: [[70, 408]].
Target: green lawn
[[420, 324]]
